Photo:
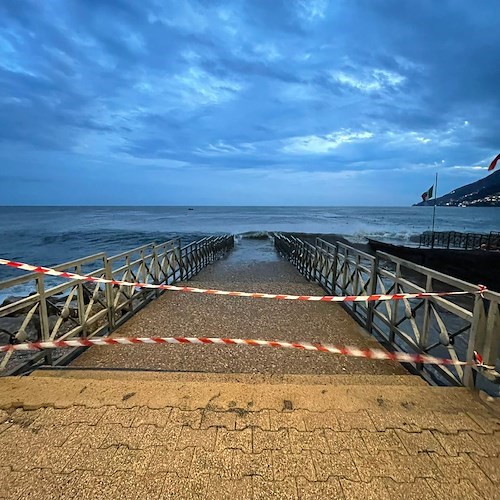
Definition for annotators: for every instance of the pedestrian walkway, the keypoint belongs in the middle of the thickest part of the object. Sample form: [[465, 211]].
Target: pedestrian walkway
[[252, 266]]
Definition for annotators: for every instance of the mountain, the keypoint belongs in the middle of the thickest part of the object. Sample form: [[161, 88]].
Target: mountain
[[483, 193]]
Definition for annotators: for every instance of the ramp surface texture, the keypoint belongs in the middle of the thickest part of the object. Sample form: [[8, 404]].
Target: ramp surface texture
[[253, 266]]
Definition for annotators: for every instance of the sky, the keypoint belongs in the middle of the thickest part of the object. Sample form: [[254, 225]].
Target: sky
[[234, 102]]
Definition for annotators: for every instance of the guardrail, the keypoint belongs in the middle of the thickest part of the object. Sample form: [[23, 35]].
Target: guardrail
[[465, 241], [73, 308], [445, 327]]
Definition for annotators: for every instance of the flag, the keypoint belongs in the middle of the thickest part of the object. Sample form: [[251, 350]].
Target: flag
[[428, 194], [494, 163]]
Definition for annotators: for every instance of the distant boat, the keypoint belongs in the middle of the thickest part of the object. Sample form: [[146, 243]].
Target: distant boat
[[190, 208]]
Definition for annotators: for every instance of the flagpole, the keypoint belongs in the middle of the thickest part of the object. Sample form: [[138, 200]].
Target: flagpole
[[434, 209]]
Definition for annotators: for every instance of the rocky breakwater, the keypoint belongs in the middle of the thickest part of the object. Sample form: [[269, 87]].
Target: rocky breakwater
[[24, 325]]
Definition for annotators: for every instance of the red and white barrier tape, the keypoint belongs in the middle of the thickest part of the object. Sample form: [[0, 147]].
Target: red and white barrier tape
[[322, 298], [306, 346]]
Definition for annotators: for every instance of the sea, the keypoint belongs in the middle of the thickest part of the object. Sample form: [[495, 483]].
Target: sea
[[54, 235]]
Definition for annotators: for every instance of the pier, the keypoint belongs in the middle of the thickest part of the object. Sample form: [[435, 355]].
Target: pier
[[219, 421]]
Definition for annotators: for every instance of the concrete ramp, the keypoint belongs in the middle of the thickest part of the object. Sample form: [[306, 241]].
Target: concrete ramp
[[252, 266]]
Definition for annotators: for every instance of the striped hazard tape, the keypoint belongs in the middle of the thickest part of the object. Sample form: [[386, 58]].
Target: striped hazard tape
[[378, 354], [321, 298]]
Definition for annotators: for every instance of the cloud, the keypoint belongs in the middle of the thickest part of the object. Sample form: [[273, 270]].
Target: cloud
[[197, 87], [222, 149], [325, 144], [375, 80], [312, 10], [316, 87]]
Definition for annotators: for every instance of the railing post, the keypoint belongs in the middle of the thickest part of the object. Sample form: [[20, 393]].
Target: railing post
[[355, 281], [180, 263], [191, 256], [423, 339], [491, 347], [202, 256], [197, 251], [372, 291], [81, 303], [395, 305], [317, 271], [344, 273], [156, 271], [109, 294], [130, 290], [309, 263], [477, 337], [424, 335], [334, 268], [44, 316]]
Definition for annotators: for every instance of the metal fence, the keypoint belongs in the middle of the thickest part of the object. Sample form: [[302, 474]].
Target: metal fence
[[447, 327], [72, 308], [465, 241]]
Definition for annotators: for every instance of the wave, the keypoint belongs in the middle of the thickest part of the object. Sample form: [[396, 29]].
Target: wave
[[254, 235], [393, 236]]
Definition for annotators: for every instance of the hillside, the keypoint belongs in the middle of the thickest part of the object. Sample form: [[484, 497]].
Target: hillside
[[483, 193]]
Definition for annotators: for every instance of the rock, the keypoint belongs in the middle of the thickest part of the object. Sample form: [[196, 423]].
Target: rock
[[58, 308], [52, 321], [55, 304], [11, 325], [12, 299], [4, 338]]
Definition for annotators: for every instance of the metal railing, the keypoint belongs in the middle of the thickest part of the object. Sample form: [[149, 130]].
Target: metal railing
[[465, 241], [447, 327], [72, 308]]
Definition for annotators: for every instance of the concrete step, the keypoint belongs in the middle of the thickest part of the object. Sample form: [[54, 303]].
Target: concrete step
[[132, 390], [245, 378]]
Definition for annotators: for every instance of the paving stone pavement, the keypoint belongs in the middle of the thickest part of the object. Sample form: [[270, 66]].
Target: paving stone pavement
[[388, 442]]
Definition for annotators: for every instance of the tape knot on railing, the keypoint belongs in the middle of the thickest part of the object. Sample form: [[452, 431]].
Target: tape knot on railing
[[478, 360], [482, 289]]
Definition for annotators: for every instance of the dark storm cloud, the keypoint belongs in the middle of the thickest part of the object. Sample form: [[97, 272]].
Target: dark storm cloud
[[283, 86]]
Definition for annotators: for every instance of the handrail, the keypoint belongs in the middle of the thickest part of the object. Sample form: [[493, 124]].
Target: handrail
[[59, 267], [465, 241], [442, 326], [74, 308]]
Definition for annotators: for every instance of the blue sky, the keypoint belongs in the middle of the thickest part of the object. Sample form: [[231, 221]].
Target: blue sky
[[258, 102]]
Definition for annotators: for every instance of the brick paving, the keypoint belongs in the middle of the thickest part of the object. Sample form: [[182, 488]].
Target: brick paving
[[391, 441]]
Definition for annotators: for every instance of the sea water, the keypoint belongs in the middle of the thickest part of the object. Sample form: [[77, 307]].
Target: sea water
[[53, 235]]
